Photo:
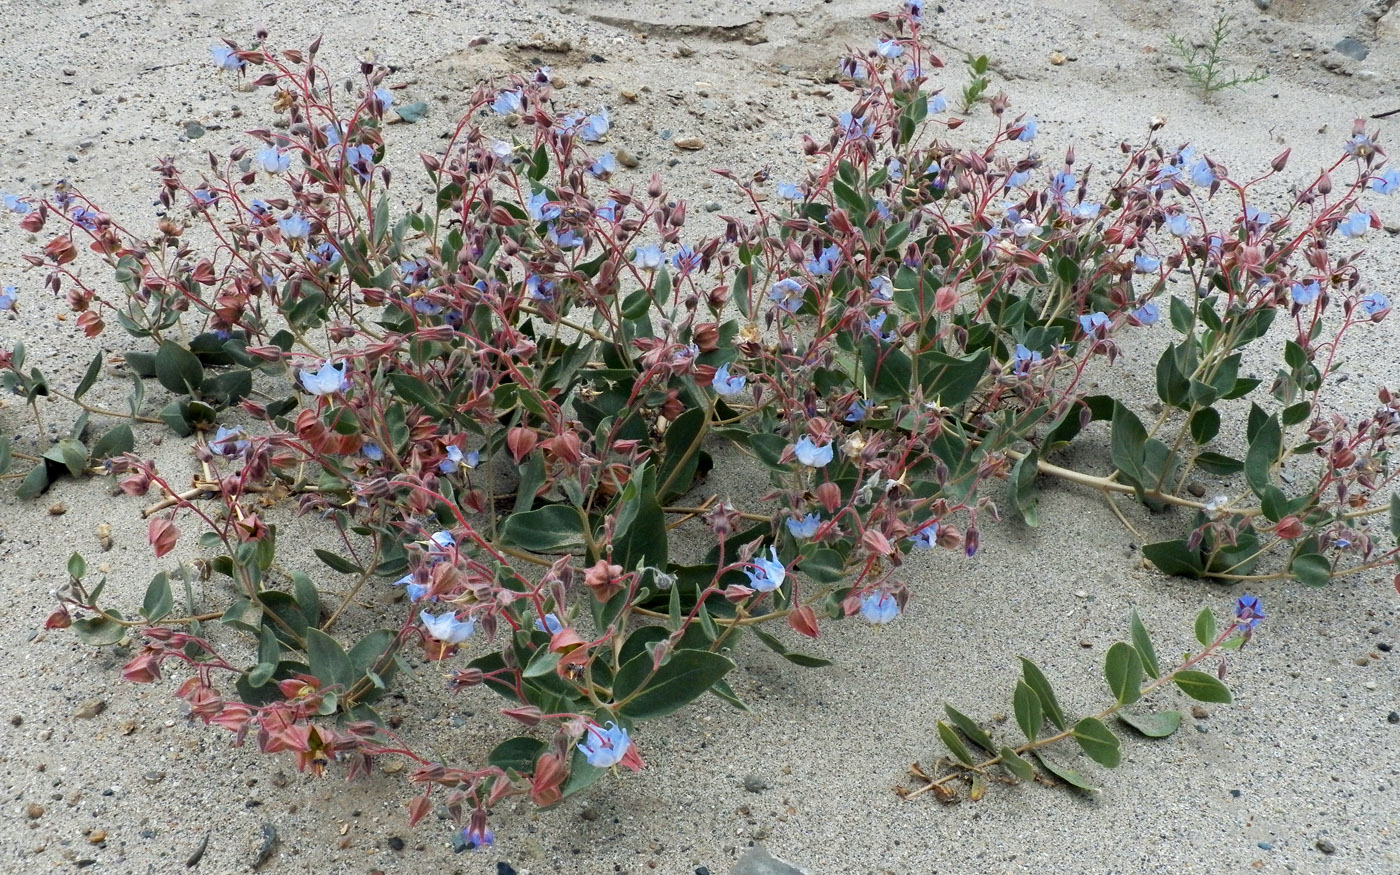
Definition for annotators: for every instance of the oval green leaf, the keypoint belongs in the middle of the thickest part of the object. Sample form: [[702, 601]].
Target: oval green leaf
[[1158, 725], [1123, 671], [1203, 687], [1098, 742]]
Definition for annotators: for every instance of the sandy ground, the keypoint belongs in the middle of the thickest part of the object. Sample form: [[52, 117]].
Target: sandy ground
[[97, 91]]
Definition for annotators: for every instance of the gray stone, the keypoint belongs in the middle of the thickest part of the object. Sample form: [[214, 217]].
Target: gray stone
[[1352, 48], [757, 861]]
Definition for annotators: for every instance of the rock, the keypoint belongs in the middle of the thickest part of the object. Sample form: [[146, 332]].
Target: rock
[[1265, 846], [1197, 490], [58, 508], [1382, 646], [97, 836], [757, 861], [504, 868], [1199, 713], [153, 777], [1056, 59], [712, 207], [396, 843], [625, 158], [1393, 717], [18, 719], [1326, 847], [1351, 48], [1362, 660], [755, 783], [1263, 5], [34, 811], [90, 709], [690, 144]]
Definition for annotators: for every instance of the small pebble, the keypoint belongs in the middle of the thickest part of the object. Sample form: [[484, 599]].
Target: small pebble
[[1393, 717], [395, 843], [58, 508], [690, 144], [1056, 59], [1362, 660], [153, 777], [702, 870], [1199, 713], [1351, 48], [1196, 489], [589, 813], [1202, 728], [626, 159], [17, 720], [1265, 846], [755, 784], [90, 709], [504, 868], [1236, 793], [97, 836], [34, 811], [1383, 647], [1326, 847], [713, 207]]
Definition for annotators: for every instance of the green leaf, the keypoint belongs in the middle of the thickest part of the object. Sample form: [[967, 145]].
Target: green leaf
[[1016, 765], [778, 647], [640, 537], [1264, 449], [1395, 515], [1203, 687], [99, 631], [1174, 557], [77, 566], [35, 482], [413, 112], [328, 659], [951, 380], [116, 442], [1311, 569], [1068, 775], [5, 450], [158, 599], [70, 454], [178, 369], [308, 599], [1098, 742], [1143, 642], [1205, 425], [1158, 725], [685, 677], [555, 527], [519, 753], [1216, 463], [1026, 705], [1022, 490], [824, 566], [970, 729], [726, 692], [1123, 671], [1205, 627], [1128, 445], [1035, 678], [955, 744], [90, 377], [338, 563]]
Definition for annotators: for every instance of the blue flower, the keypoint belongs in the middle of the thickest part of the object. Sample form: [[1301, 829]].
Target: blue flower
[[1029, 128], [383, 98], [8, 297], [604, 167], [15, 205], [550, 624], [87, 219], [1179, 225], [879, 608], [937, 103], [786, 294], [789, 192], [1147, 314], [1257, 216], [541, 209], [873, 326], [888, 49], [273, 160], [1304, 294], [648, 258], [447, 628], [883, 211], [858, 411], [476, 834], [1018, 179], [537, 290], [1023, 358], [825, 263], [325, 254], [329, 380], [856, 127], [415, 272], [894, 170], [685, 260], [924, 538], [295, 226], [882, 288], [1086, 210], [604, 747], [607, 212], [915, 8], [508, 102], [766, 575], [1355, 225], [361, 160], [595, 127], [811, 455], [1372, 304], [229, 442], [565, 239], [333, 132], [439, 543], [724, 384], [1360, 146], [373, 452], [1144, 263], [804, 527], [225, 58], [1092, 322], [1388, 182], [1248, 611], [456, 459], [1062, 184], [1201, 173]]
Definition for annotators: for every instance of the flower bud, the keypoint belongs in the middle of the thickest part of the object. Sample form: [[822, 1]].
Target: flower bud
[[1281, 161], [1289, 527]]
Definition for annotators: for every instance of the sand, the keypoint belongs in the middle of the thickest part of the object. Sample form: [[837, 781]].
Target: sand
[[97, 91]]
